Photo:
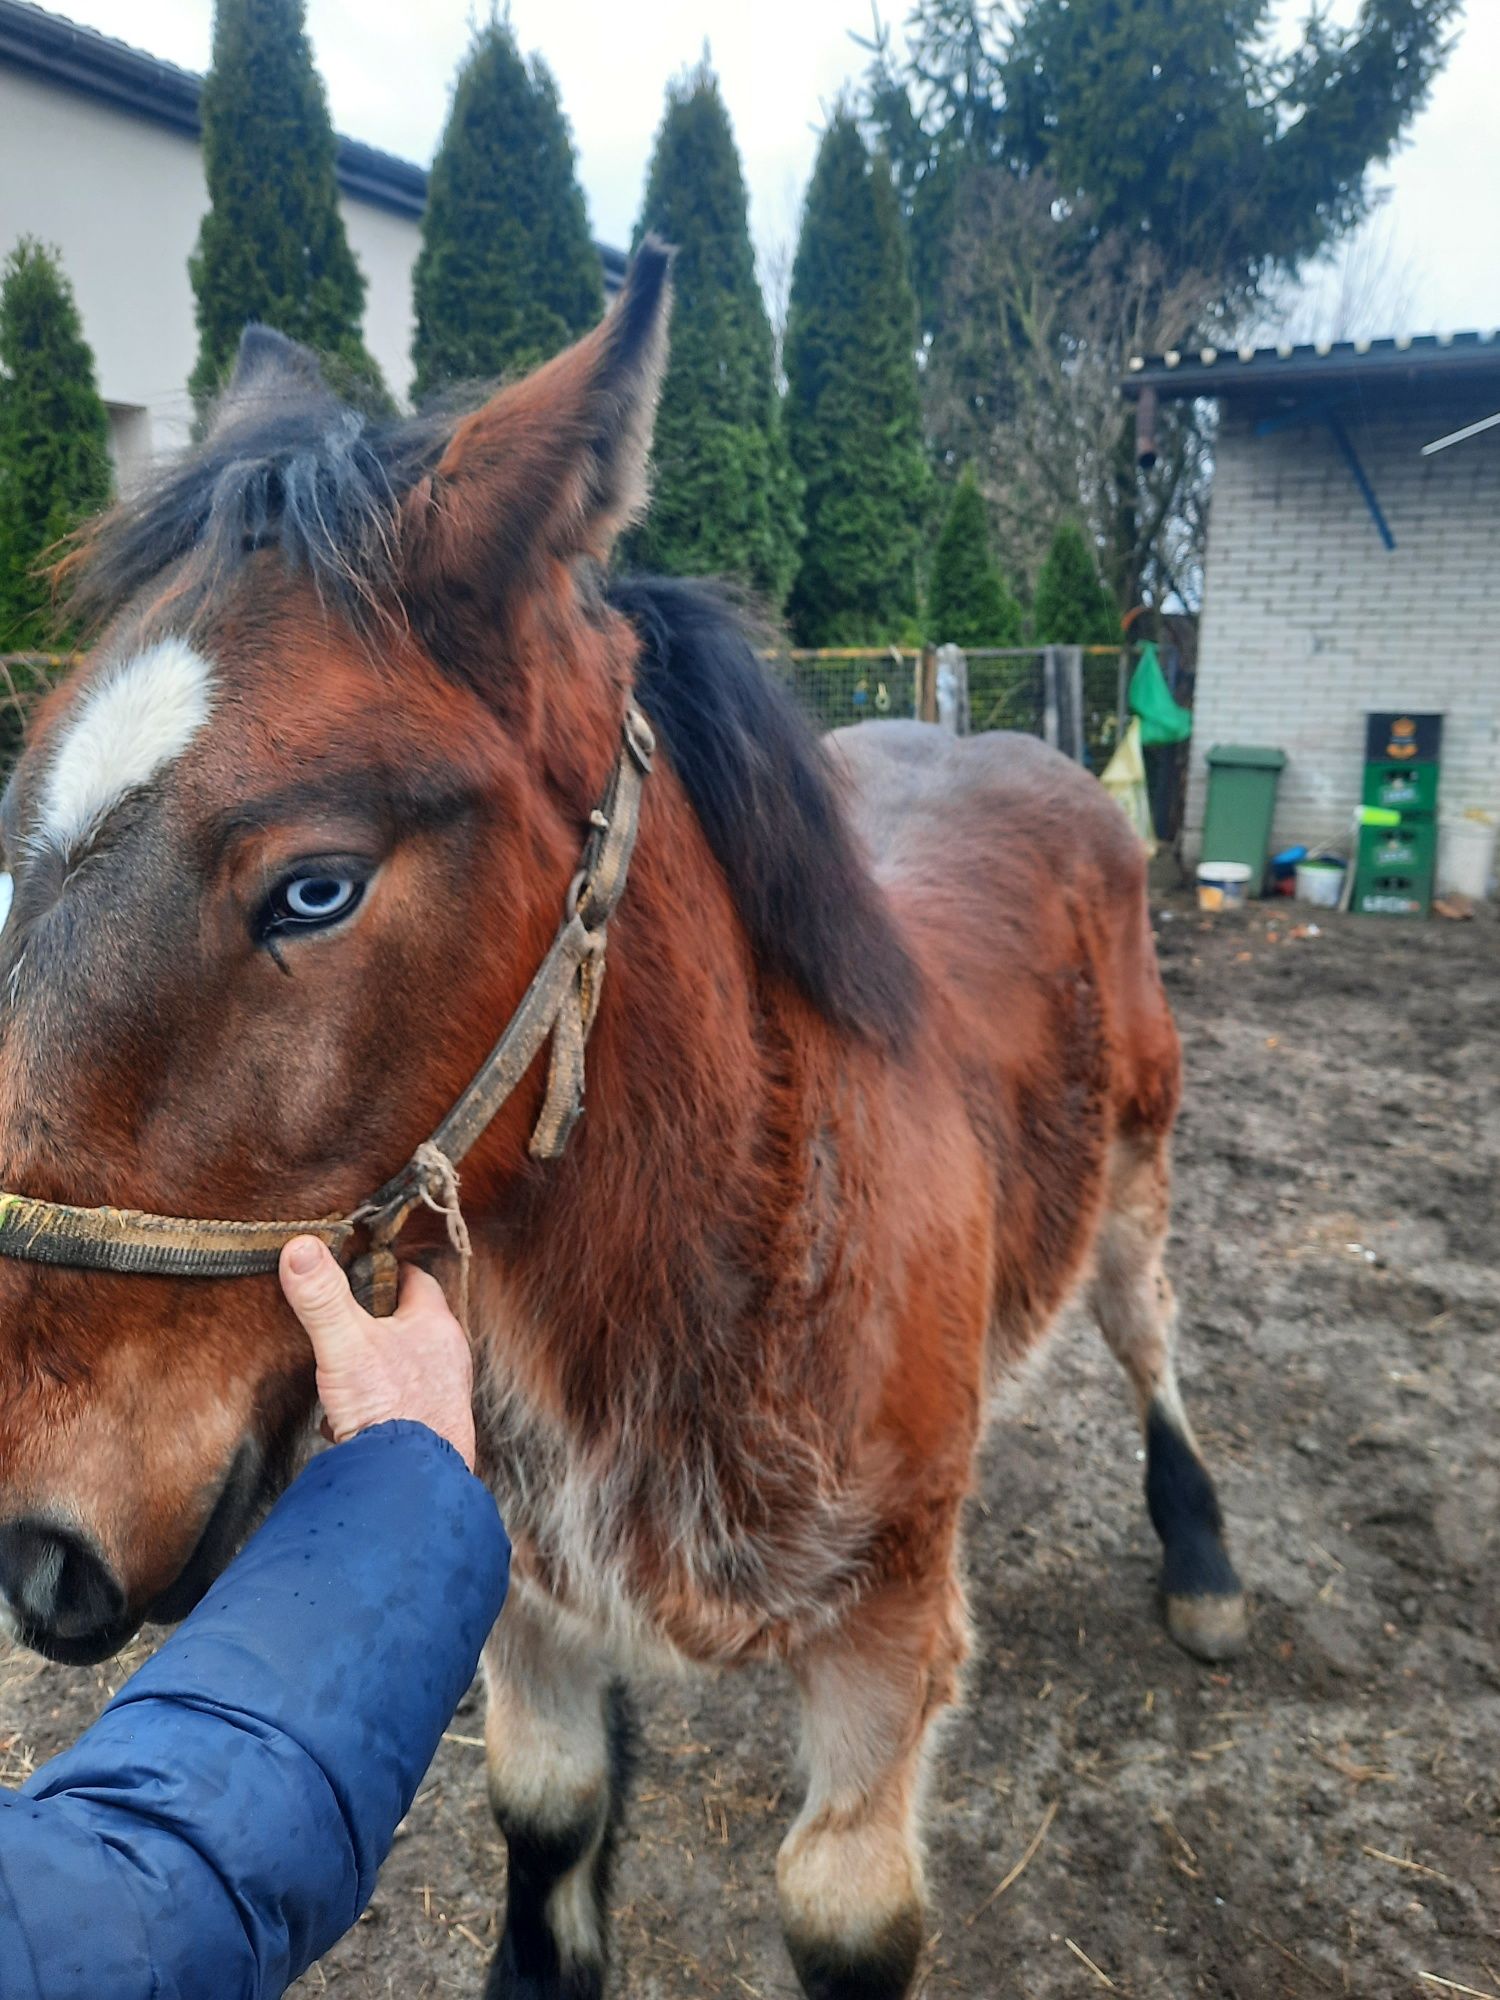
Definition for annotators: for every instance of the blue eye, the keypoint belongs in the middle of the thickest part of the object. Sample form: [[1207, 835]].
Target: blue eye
[[317, 898], [310, 902]]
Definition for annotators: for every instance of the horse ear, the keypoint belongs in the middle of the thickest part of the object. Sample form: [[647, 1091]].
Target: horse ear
[[553, 466], [267, 367]]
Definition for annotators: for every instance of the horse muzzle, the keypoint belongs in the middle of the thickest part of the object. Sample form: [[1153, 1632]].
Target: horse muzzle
[[60, 1597]]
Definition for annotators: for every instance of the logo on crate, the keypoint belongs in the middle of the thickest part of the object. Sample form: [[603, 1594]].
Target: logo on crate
[[1403, 740]]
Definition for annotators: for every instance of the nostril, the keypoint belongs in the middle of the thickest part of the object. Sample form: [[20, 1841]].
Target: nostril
[[56, 1582]]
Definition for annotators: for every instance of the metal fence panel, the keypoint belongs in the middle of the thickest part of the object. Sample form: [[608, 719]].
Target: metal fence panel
[[1006, 688], [853, 685]]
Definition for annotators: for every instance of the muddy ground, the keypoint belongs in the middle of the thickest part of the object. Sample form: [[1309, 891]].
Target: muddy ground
[[1322, 1819]]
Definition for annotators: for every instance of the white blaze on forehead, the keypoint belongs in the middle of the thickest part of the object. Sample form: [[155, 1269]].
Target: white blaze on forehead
[[135, 719]]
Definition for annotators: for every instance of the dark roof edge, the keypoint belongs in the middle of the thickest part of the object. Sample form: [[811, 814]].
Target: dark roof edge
[[112, 72], [1427, 357], [98, 66]]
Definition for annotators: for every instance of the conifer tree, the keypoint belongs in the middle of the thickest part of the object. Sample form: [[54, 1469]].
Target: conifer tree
[[272, 246], [725, 499], [853, 420], [54, 437], [1086, 179], [968, 603], [507, 273], [1072, 607]]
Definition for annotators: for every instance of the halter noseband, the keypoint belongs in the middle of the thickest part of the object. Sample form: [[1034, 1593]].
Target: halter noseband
[[560, 1003]]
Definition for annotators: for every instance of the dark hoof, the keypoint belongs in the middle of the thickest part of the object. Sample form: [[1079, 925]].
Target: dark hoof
[[1210, 1628], [882, 1969]]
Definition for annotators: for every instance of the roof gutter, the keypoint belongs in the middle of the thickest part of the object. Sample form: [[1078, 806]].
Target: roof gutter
[[1266, 373]]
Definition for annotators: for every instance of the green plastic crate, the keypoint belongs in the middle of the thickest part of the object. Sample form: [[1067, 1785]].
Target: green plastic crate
[[1395, 893], [1409, 788], [1410, 847]]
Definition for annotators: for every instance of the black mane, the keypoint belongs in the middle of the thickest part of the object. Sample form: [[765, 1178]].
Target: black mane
[[303, 472], [760, 784]]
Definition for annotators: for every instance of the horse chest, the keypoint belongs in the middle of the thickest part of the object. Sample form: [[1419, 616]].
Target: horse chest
[[673, 1544]]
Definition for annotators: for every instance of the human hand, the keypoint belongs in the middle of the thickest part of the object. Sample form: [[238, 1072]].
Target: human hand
[[416, 1364]]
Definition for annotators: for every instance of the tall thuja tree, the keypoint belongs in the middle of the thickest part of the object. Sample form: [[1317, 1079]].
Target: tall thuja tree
[[54, 451], [1071, 606], [272, 246], [853, 413], [507, 273], [725, 499], [968, 603]]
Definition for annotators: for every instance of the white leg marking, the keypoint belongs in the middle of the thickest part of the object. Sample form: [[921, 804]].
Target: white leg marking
[[573, 1916], [852, 1859], [548, 1756], [544, 1722], [136, 717]]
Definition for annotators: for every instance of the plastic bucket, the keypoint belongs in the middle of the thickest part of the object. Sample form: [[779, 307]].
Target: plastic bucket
[[1284, 870], [1320, 882], [1466, 855], [1223, 885]]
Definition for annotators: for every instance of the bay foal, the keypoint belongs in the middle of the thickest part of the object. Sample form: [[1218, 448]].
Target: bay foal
[[882, 1070]]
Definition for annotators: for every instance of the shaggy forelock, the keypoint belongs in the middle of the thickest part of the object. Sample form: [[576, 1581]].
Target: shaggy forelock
[[300, 472]]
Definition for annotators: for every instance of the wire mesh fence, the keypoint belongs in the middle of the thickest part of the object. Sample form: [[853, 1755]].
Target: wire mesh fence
[[1106, 678], [843, 684], [1002, 688], [1007, 689]]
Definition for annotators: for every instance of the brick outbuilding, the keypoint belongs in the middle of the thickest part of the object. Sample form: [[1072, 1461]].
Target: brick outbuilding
[[1346, 569]]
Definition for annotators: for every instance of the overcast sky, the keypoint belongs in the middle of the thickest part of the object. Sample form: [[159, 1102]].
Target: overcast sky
[[388, 65]]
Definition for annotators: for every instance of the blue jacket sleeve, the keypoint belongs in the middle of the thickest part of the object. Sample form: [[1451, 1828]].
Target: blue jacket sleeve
[[221, 1825]]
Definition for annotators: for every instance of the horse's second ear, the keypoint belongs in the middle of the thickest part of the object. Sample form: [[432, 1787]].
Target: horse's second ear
[[554, 466], [267, 368]]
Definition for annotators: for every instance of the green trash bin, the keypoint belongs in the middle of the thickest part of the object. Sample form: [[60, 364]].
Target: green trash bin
[[1241, 806]]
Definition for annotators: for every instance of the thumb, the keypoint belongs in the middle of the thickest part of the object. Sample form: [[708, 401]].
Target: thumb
[[318, 1293]]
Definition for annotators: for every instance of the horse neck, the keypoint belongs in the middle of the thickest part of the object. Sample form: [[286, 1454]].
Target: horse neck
[[665, 1224]]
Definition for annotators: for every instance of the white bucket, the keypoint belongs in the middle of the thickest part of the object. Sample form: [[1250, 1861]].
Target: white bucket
[[1466, 855], [1223, 885], [1320, 883]]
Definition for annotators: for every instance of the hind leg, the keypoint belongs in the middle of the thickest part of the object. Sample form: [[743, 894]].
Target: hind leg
[[558, 1743], [1132, 1300], [849, 1875]]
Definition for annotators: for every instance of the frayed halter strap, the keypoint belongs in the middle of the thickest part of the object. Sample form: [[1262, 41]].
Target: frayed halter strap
[[560, 1004]]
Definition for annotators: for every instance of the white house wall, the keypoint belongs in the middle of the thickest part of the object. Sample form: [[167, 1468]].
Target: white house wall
[[1308, 620], [122, 197], [385, 245]]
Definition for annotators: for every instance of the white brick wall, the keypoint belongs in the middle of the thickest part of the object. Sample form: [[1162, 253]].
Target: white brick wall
[[1308, 619]]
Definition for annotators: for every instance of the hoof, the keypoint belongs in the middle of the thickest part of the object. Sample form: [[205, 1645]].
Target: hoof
[[1210, 1628], [883, 1967]]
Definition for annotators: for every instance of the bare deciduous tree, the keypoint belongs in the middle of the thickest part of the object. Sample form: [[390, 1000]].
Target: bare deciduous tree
[[1367, 287], [1041, 317]]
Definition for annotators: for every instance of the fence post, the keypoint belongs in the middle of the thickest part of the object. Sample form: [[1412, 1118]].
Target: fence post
[[1049, 695], [953, 690], [1122, 695], [926, 691], [1072, 660]]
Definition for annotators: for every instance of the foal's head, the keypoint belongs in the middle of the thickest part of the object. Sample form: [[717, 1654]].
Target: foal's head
[[285, 852]]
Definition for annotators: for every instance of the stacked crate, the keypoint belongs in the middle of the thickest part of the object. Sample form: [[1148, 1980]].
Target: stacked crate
[[1396, 865]]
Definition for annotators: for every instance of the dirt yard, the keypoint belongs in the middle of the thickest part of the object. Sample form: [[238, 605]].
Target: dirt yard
[[1107, 1816]]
